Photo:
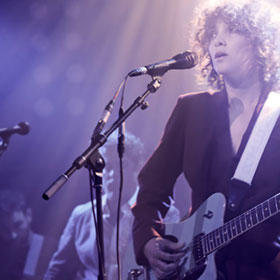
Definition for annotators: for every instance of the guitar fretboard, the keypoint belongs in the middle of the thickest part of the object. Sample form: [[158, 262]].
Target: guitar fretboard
[[219, 237]]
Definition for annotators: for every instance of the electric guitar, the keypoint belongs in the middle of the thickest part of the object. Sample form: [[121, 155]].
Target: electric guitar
[[204, 233]]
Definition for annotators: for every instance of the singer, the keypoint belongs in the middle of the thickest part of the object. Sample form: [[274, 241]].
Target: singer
[[237, 43]]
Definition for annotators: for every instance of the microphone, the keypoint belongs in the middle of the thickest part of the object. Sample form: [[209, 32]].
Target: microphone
[[22, 128], [183, 60], [104, 118]]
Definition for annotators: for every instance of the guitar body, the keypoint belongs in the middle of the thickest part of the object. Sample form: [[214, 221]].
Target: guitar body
[[205, 232], [209, 216]]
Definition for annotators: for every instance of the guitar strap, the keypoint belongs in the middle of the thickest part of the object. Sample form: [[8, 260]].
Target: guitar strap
[[250, 158]]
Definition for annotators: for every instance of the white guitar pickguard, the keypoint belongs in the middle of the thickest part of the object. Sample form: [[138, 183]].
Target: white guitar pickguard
[[209, 216]]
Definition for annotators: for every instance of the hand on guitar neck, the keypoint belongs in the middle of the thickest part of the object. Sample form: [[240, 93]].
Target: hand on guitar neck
[[164, 256]]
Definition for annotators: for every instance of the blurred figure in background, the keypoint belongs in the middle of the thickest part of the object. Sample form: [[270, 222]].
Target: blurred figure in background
[[24, 254], [76, 256]]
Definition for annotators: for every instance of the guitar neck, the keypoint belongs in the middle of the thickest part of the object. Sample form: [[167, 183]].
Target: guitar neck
[[240, 224]]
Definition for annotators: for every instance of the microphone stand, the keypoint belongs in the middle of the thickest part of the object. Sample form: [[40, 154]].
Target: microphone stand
[[85, 159], [95, 166]]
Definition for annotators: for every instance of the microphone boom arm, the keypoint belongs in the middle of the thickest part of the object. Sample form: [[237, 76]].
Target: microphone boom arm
[[100, 140]]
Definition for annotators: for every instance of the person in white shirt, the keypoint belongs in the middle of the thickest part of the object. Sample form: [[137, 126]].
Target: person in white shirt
[[76, 256]]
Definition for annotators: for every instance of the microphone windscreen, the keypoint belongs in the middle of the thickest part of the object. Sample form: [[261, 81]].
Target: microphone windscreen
[[24, 128]]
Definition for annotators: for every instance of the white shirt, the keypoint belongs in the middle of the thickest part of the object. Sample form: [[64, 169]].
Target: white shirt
[[77, 248]]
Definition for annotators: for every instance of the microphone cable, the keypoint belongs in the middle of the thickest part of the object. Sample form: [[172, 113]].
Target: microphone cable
[[121, 150]]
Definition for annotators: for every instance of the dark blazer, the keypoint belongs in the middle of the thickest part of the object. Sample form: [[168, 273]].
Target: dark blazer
[[197, 142]]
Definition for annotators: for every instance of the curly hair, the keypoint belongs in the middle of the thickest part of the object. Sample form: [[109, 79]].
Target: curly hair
[[256, 20]]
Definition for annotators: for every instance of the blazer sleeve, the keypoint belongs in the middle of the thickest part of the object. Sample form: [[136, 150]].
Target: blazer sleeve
[[156, 181]]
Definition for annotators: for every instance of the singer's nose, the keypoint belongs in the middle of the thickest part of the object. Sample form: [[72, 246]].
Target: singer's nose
[[220, 42]]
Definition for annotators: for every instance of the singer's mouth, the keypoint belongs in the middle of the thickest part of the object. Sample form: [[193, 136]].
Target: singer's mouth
[[220, 54]]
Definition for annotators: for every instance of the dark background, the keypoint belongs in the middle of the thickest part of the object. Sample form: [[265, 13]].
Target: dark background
[[61, 62]]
